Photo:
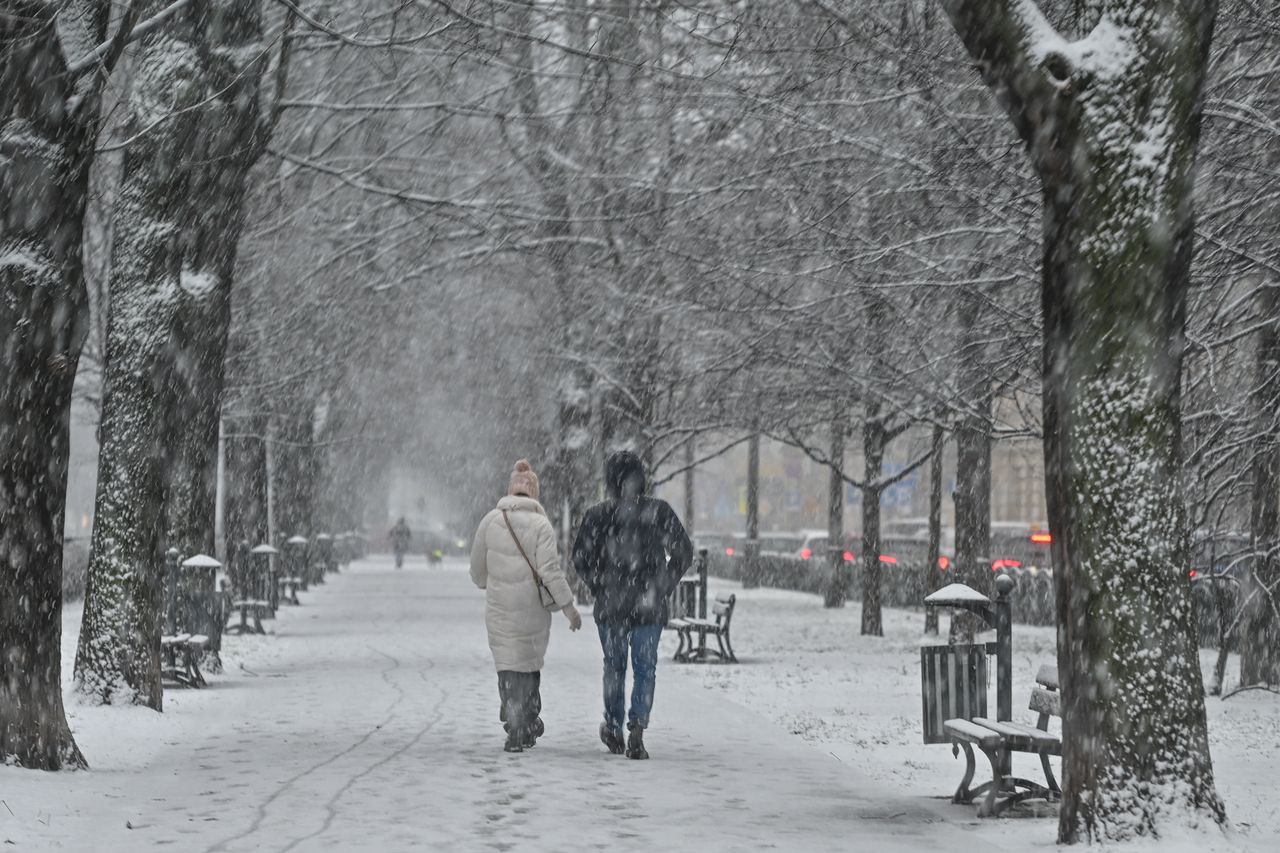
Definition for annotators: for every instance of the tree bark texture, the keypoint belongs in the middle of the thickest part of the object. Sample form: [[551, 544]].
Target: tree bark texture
[[933, 569], [232, 130], [1112, 123], [751, 550], [293, 489], [1260, 638], [874, 441], [246, 494], [118, 657], [838, 587], [48, 130], [973, 472]]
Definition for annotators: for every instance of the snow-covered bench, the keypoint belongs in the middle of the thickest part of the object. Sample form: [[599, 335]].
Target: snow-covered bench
[[288, 589], [257, 607], [181, 656], [688, 652], [997, 738]]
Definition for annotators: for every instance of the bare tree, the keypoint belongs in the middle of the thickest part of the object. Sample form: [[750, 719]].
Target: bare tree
[[1111, 122]]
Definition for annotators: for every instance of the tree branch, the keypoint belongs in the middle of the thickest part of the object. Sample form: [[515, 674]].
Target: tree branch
[[1013, 44], [105, 56]]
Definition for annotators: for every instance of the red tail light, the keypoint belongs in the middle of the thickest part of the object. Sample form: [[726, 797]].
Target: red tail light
[[1043, 538], [885, 558], [944, 563], [728, 552], [1193, 573], [1005, 564], [848, 556], [806, 553]]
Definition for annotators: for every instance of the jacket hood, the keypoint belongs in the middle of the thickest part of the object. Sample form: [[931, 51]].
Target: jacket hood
[[624, 475]]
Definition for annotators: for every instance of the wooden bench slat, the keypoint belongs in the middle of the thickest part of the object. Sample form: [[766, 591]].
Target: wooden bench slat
[[971, 731], [1042, 738], [1020, 732]]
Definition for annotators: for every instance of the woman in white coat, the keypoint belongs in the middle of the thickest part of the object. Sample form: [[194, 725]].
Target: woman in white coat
[[514, 549]]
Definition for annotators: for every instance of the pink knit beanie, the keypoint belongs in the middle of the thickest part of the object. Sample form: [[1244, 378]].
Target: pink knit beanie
[[523, 480]]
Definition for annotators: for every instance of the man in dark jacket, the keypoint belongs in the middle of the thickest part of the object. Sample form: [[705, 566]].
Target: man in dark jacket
[[631, 551]]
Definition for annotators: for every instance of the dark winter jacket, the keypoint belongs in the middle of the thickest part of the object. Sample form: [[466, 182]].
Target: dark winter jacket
[[631, 550]]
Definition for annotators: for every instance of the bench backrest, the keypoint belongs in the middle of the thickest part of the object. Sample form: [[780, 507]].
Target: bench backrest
[[953, 685]]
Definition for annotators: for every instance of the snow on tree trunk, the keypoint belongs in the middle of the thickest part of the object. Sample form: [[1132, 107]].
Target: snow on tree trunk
[[1260, 638], [118, 658], [48, 130], [1111, 122]]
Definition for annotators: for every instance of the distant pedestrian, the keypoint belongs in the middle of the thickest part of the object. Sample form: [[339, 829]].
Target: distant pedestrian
[[631, 551], [401, 538], [515, 561]]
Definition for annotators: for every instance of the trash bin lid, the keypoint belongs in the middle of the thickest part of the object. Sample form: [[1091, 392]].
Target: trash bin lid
[[956, 593]]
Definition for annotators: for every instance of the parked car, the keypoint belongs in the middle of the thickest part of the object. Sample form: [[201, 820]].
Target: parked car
[[782, 544], [1019, 544]]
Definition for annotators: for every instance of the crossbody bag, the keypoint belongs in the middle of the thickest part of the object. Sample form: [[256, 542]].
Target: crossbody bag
[[545, 598]]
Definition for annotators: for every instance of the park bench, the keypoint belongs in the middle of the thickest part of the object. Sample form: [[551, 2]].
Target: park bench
[[181, 658], [998, 739], [257, 608], [689, 651], [288, 590]]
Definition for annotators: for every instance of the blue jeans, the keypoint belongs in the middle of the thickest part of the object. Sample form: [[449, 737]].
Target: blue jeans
[[643, 643]]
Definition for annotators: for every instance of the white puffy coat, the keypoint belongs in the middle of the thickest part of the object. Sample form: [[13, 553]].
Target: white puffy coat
[[517, 623]]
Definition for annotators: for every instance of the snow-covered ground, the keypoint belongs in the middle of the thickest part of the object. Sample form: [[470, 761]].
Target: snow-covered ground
[[368, 722]]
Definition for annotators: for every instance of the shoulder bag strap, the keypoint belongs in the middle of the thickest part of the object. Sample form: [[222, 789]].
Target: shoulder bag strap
[[536, 577]]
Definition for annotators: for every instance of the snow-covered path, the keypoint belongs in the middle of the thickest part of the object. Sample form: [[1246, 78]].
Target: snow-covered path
[[368, 722]]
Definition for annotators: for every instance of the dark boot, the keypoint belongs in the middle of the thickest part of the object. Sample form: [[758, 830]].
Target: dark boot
[[532, 735], [635, 742], [515, 741], [612, 739]]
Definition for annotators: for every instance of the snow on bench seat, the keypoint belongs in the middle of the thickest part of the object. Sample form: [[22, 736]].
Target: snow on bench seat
[[971, 731], [1019, 732]]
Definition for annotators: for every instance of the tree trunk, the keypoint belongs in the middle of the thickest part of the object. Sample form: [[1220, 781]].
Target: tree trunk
[[874, 440], [933, 567], [118, 657], [48, 130], [246, 494], [973, 475], [690, 504], [1114, 141], [293, 488], [230, 137], [1260, 639], [838, 586], [751, 550]]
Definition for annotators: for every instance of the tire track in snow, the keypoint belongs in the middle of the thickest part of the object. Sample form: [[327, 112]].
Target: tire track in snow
[[331, 805], [263, 807]]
